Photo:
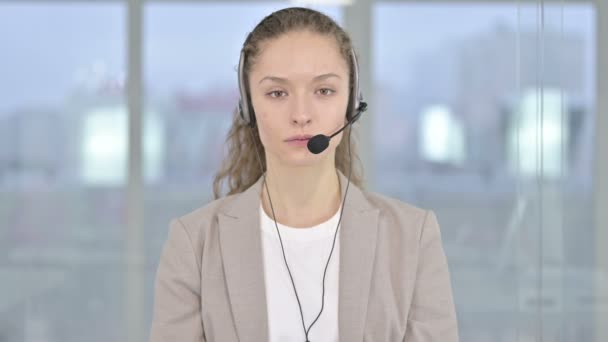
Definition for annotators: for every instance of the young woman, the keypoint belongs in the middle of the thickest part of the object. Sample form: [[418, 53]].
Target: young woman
[[294, 251]]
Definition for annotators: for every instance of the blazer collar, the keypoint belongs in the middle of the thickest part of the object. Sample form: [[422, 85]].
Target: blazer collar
[[241, 248]]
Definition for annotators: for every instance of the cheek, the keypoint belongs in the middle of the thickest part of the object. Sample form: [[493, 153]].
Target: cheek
[[340, 112], [267, 130], [263, 133], [340, 118], [270, 124], [263, 112]]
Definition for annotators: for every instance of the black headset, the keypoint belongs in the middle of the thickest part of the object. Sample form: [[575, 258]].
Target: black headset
[[356, 106]]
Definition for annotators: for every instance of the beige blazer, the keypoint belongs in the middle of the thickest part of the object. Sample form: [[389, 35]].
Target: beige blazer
[[394, 283]]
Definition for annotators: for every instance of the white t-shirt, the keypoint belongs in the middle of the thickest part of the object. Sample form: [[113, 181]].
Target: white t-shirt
[[306, 250]]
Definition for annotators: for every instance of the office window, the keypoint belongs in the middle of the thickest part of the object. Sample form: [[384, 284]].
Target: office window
[[62, 171], [487, 117]]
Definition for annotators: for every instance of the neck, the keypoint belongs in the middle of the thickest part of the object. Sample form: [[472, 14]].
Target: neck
[[301, 196]]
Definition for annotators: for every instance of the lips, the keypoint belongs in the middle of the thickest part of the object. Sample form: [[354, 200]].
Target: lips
[[299, 137]]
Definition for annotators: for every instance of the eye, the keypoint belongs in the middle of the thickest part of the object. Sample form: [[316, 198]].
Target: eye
[[277, 93], [326, 91]]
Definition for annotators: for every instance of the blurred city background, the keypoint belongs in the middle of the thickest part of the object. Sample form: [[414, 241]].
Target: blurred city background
[[113, 116]]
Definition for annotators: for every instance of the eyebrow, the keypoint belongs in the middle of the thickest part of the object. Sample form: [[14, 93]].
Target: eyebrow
[[284, 80]]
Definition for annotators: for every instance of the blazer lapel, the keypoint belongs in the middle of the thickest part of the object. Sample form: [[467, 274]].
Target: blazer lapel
[[241, 246], [358, 234]]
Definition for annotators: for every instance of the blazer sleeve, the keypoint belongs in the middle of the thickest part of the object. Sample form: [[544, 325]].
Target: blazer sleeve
[[177, 311], [432, 316]]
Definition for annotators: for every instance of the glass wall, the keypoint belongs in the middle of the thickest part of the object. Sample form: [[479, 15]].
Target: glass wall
[[485, 113], [63, 153]]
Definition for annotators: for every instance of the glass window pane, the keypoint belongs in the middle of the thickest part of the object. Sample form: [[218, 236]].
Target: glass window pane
[[62, 171], [459, 127]]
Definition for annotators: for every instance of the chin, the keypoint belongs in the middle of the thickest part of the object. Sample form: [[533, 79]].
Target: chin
[[301, 161], [305, 158]]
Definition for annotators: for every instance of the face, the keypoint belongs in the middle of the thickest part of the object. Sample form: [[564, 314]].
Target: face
[[299, 86]]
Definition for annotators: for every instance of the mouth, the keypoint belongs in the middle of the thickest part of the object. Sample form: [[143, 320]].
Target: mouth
[[299, 138]]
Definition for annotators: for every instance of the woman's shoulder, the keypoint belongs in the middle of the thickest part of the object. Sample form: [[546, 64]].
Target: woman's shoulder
[[393, 210], [197, 220], [388, 203], [397, 211]]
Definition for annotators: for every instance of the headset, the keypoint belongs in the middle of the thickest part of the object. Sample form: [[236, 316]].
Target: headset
[[316, 145]]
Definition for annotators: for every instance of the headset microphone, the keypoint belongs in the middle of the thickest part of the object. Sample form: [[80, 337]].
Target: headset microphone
[[319, 142]]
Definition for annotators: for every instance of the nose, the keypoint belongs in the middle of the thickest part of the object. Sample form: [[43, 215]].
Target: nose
[[301, 121], [301, 112]]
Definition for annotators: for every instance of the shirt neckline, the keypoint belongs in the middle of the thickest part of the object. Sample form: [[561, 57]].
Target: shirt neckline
[[316, 232]]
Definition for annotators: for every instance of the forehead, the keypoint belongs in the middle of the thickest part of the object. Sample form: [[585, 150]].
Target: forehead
[[300, 53]]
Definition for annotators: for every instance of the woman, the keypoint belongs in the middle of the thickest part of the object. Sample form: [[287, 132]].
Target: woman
[[294, 252]]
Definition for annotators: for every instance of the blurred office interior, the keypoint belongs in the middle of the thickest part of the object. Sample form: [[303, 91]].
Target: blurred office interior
[[113, 117]]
